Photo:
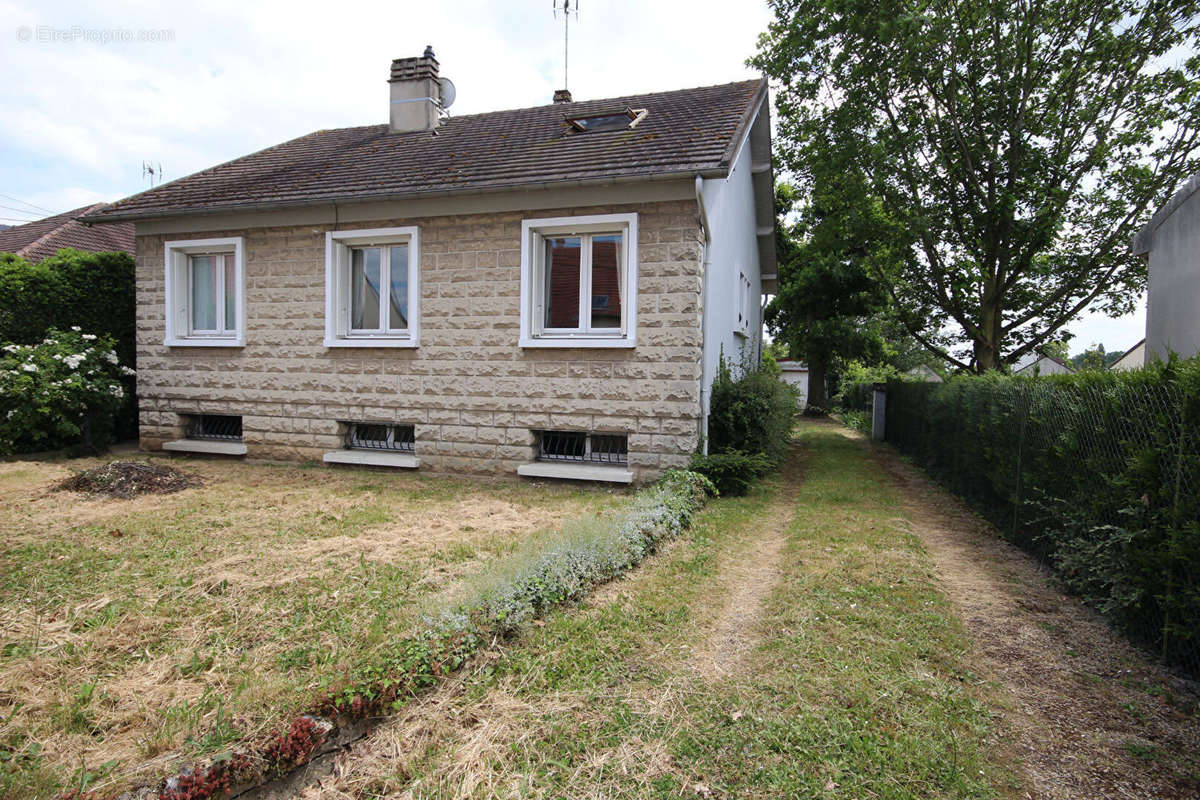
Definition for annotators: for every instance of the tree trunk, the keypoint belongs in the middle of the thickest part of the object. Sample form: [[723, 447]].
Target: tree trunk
[[818, 400], [991, 325]]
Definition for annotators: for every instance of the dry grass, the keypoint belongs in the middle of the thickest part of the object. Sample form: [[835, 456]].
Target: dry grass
[[791, 645], [138, 633]]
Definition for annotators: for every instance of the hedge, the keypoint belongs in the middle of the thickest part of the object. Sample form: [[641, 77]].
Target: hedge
[[92, 292], [1096, 473]]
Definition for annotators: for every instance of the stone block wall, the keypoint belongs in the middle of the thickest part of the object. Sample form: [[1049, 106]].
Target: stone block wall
[[473, 394]]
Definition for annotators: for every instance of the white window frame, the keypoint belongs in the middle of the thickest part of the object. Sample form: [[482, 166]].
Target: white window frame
[[338, 246], [743, 305], [533, 234], [176, 257]]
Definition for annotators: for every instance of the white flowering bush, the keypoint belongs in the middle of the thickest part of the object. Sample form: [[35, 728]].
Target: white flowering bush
[[64, 391]]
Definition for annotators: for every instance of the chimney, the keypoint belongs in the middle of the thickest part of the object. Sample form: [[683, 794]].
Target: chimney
[[562, 96], [415, 93]]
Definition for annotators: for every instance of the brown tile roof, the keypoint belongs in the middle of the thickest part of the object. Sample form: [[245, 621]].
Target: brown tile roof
[[686, 132], [45, 237]]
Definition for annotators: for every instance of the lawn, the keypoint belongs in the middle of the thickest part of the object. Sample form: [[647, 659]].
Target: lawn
[[136, 634], [794, 643]]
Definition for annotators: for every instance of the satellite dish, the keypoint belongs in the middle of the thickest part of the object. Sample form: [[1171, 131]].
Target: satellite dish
[[448, 93]]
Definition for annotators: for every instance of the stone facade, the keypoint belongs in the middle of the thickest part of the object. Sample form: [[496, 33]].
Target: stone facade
[[474, 396]]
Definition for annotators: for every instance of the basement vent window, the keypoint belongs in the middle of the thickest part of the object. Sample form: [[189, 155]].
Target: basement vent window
[[215, 427], [376, 436], [584, 448], [617, 120]]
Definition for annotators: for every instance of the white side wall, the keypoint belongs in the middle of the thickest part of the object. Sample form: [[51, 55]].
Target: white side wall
[[733, 251], [1173, 305]]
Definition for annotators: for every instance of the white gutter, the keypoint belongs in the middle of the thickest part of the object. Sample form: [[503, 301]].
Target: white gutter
[[703, 307]]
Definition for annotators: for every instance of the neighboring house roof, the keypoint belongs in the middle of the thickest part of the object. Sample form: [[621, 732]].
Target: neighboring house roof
[[686, 132], [1143, 242], [45, 237]]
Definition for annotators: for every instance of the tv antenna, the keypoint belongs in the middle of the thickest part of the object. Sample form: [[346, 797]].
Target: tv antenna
[[566, 8], [152, 172]]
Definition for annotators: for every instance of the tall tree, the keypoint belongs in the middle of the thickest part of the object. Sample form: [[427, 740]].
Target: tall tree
[[1021, 142], [828, 302]]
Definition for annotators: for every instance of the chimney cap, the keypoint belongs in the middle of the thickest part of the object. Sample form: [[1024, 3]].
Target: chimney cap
[[562, 96]]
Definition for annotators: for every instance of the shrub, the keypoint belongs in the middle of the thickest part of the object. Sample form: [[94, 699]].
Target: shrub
[[1097, 473], [732, 472], [65, 390], [752, 414], [857, 420], [93, 292]]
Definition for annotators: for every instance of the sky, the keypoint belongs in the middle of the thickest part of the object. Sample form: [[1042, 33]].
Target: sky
[[93, 91]]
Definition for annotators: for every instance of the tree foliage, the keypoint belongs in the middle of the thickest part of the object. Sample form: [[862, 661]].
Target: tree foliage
[[1020, 144], [829, 299]]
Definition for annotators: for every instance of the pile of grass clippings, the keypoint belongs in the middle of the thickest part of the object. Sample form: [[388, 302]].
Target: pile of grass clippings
[[128, 479]]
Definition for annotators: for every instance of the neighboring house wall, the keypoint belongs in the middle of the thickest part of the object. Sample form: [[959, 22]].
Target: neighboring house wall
[[1172, 244], [473, 394], [796, 375], [1134, 359], [1045, 366]]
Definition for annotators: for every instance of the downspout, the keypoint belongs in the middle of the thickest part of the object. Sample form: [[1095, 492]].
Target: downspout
[[704, 263]]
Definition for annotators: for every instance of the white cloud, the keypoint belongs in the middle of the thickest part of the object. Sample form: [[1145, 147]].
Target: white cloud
[[238, 76], [1116, 334]]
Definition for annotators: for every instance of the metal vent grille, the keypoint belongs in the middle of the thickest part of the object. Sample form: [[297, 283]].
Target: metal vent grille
[[595, 448], [220, 427], [378, 436]]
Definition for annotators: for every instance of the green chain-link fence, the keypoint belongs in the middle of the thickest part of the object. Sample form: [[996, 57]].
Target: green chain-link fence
[[1098, 474]]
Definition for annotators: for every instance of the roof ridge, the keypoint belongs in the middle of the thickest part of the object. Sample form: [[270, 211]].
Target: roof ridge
[[610, 99]]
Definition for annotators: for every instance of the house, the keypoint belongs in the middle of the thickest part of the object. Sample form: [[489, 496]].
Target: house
[[43, 238], [1170, 243], [923, 373], [543, 292], [1044, 364], [1134, 358], [796, 374]]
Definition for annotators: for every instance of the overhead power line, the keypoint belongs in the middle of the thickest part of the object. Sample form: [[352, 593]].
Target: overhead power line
[[26, 203]]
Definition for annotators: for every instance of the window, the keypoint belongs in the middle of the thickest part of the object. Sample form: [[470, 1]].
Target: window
[[380, 436], [218, 427], [579, 281], [205, 306], [371, 288], [615, 120], [745, 305], [578, 446]]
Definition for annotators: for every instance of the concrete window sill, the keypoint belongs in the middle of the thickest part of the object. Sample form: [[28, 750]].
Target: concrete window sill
[[576, 472], [206, 446], [370, 458]]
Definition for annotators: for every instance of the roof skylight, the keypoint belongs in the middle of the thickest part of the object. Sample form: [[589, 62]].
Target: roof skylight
[[608, 120]]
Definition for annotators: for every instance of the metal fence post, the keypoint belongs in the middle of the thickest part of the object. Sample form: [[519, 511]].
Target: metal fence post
[[879, 412]]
